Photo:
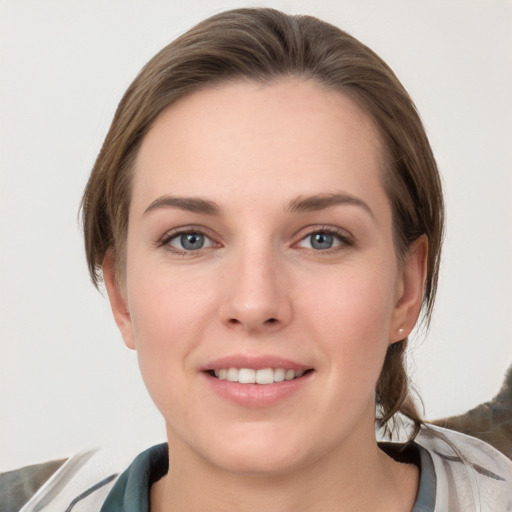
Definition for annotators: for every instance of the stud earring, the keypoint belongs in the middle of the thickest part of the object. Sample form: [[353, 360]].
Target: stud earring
[[400, 330]]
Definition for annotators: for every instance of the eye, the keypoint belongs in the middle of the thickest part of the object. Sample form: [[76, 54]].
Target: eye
[[323, 240], [189, 241]]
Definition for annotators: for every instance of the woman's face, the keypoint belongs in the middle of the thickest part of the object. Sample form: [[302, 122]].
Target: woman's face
[[260, 247]]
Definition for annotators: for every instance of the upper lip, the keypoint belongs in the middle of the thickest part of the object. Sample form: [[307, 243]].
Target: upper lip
[[254, 362]]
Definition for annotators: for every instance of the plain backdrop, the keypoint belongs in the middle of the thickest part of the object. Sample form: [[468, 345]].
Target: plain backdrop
[[66, 379]]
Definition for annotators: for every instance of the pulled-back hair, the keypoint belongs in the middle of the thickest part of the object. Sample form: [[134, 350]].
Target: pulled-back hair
[[264, 45]]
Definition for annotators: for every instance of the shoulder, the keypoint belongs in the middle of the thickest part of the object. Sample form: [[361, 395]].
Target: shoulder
[[82, 482], [470, 474], [19, 485]]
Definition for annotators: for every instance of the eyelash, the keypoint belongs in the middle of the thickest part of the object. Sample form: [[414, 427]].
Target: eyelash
[[344, 238], [168, 237]]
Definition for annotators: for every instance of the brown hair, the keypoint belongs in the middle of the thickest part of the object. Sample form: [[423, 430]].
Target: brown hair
[[263, 45]]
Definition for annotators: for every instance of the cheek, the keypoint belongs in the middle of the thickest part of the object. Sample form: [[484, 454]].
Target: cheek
[[168, 316], [355, 303], [167, 304], [352, 316]]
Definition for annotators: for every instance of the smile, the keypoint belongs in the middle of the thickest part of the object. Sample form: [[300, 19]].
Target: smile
[[262, 376], [256, 382]]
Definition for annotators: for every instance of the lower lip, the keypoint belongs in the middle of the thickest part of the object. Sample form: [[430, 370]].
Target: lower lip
[[257, 395]]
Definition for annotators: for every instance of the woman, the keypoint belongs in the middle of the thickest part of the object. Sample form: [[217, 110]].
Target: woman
[[267, 217]]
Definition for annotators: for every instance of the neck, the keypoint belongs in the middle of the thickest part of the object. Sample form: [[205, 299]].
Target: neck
[[344, 480]]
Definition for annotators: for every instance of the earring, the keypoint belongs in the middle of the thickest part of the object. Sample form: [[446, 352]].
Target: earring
[[400, 330]]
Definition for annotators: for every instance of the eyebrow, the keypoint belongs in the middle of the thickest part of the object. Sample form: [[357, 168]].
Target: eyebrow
[[191, 204], [300, 204], [322, 201]]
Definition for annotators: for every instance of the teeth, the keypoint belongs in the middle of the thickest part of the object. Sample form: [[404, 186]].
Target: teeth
[[279, 374], [246, 376], [232, 375], [263, 376]]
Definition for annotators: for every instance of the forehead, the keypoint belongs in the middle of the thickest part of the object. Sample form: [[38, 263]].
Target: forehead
[[292, 136]]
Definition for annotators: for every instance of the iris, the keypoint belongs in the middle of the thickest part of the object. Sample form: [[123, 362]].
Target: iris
[[192, 241], [321, 241]]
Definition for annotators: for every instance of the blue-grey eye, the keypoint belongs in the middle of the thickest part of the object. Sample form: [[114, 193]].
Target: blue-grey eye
[[321, 241], [192, 241], [187, 241]]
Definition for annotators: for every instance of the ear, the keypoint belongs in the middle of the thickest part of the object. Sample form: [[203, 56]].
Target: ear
[[117, 298], [409, 290]]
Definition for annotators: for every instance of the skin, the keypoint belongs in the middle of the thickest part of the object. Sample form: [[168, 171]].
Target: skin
[[259, 287]]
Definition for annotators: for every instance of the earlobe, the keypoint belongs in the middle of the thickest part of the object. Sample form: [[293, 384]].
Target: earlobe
[[409, 296], [117, 300]]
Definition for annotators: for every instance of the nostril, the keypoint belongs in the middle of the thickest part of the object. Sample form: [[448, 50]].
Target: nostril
[[252, 323]]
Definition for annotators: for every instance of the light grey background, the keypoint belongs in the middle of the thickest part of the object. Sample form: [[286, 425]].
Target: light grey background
[[66, 380]]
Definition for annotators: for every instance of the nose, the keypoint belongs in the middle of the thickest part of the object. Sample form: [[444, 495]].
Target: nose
[[257, 297]]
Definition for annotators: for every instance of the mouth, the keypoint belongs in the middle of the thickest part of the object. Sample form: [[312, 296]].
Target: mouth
[[263, 376], [257, 381]]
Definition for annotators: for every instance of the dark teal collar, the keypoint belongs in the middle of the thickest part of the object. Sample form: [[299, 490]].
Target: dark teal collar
[[131, 491]]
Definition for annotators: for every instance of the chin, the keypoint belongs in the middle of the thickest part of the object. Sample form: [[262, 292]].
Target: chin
[[258, 463], [260, 454]]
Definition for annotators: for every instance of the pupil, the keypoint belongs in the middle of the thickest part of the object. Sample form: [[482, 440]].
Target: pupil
[[192, 241], [321, 241]]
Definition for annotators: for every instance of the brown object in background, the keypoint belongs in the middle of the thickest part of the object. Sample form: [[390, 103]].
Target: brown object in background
[[490, 421]]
